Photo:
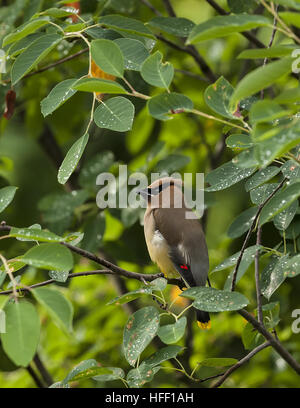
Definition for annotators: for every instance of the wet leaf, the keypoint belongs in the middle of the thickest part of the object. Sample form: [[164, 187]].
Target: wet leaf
[[215, 300], [172, 333], [140, 329]]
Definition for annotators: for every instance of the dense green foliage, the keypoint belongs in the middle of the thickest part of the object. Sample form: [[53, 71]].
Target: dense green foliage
[[170, 87]]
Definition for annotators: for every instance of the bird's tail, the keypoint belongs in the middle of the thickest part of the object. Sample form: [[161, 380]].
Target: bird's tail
[[203, 319]]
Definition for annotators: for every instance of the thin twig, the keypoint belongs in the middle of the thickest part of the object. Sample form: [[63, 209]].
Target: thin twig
[[257, 281], [169, 8], [43, 370], [261, 206], [11, 277], [273, 341], [288, 31], [240, 363], [151, 7], [35, 377], [270, 45]]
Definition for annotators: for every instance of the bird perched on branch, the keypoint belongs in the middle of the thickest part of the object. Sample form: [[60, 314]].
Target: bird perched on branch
[[174, 237]]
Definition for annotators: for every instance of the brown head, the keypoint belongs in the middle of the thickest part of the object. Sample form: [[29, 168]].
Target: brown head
[[165, 192]]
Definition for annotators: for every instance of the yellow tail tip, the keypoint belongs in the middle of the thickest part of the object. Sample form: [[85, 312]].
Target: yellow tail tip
[[204, 326]]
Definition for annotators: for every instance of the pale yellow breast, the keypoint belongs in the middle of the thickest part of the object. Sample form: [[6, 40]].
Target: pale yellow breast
[[158, 250]]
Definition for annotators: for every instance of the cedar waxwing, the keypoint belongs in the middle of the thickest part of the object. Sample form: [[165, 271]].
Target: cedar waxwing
[[174, 238]]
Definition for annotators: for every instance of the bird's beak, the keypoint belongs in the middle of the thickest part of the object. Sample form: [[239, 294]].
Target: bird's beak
[[145, 193]]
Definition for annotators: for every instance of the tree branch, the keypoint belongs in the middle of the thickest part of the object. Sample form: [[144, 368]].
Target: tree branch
[[252, 227], [43, 370], [257, 281], [240, 363], [273, 341], [35, 377]]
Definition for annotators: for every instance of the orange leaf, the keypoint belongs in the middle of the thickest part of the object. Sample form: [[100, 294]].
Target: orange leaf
[[98, 73]]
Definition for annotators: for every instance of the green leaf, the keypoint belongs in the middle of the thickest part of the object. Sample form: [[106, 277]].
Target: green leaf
[[29, 58], [108, 56], [218, 362], [83, 369], [178, 26], [259, 79], [140, 329], [49, 256], [58, 96], [126, 25], [248, 257], [284, 218], [60, 12], [57, 305], [217, 97], [22, 332], [94, 230], [99, 85], [97, 164], [72, 158], [261, 177], [71, 28], [129, 296], [242, 6], [250, 337], [269, 149], [226, 176], [18, 47], [141, 375], [134, 53], [115, 114], [290, 17], [6, 196], [259, 194], [171, 163], [159, 284], [242, 223], [266, 111], [271, 314], [273, 275], [3, 301], [163, 105], [14, 265], [221, 26], [289, 3], [214, 300], [288, 96], [291, 170], [157, 73], [24, 30], [59, 276], [161, 355], [293, 231], [34, 234], [172, 333], [279, 202], [116, 373], [273, 52], [246, 159], [246, 261], [293, 267], [237, 141]]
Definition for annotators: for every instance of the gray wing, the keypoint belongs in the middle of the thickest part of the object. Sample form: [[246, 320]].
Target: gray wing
[[187, 245]]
